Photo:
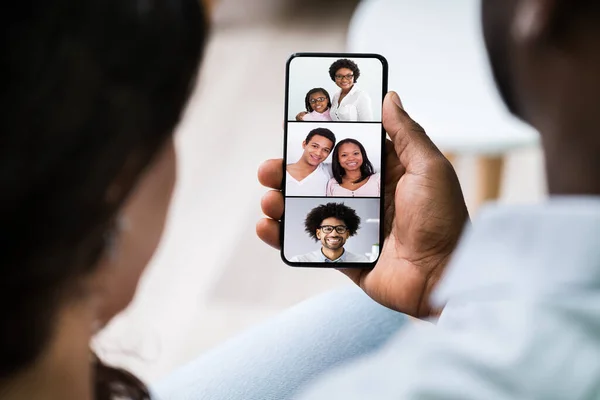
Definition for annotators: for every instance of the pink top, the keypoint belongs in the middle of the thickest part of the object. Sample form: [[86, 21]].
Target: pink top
[[317, 116], [369, 189]]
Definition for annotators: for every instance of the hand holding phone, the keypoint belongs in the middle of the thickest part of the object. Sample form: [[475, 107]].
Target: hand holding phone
[[424, 216]]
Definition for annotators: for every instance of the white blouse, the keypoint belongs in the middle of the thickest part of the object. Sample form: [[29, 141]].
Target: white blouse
[[356, 106], [372, 188]]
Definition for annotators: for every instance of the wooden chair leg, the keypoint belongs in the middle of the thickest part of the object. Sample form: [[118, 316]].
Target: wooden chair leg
[[489, 179]]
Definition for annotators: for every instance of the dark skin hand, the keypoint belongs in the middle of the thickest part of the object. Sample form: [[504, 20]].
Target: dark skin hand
[[300, 116], [425, 214]]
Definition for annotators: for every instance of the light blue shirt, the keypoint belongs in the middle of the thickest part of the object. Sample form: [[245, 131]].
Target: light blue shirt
[[522, 319], [318, 256]]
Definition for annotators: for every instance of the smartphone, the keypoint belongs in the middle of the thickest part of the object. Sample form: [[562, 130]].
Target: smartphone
[[334, 146]]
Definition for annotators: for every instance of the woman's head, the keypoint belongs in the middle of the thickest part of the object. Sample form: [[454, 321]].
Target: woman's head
[[344, 73], [349, 156], [87, 163], [318, 100]]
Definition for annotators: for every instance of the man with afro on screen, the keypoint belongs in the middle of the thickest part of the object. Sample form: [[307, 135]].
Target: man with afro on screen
[[331, 224]]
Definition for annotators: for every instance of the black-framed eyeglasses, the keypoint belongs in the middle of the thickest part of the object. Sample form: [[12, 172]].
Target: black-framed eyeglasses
[[318, 99], [348, 77], [341, 229]]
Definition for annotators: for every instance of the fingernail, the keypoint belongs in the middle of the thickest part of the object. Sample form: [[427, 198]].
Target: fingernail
[[396, 100]]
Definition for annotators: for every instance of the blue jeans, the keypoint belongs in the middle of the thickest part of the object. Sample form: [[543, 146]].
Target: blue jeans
[[277, 358]]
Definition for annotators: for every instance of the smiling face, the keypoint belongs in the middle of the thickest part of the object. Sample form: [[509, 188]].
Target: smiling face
[[318, 102], [332, 240], [316, 150], [350, 157], [344, 78]]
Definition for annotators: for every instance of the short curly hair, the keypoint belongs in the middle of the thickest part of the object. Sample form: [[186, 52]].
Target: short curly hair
[[344, 63], [315, 218]]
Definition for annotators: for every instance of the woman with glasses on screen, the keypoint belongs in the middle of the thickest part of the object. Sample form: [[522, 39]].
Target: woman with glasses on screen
[[350, 103], [353, 173]]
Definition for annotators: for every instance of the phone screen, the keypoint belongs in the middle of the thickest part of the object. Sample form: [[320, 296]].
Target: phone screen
[[333, 156]]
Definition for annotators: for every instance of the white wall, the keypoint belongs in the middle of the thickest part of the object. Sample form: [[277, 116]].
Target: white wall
[[297, 241], [307, 73], [369, 135]]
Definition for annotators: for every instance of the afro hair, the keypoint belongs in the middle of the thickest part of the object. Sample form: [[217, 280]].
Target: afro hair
[[344, 63], [317, 215]]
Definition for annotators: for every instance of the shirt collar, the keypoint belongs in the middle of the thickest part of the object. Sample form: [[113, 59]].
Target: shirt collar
[[341, 258], [530, 249]]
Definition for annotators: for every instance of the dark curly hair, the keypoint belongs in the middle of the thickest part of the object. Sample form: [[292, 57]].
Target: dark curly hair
[[317, 215], [313, 91], [83, 107], [344, 63], [366, 169], [326, 133]]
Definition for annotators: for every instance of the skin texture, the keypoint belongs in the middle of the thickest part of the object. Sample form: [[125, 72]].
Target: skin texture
[[344, 83], [315, 152], [144, 215], [333, 242], [545, 57], [319, 106], [422, 187], [63, 370], [351, 160]]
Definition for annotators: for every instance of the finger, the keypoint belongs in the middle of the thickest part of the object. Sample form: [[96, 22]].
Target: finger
[[270, 173], [411, 143], [272, 204], [268, 231], [393, 167]]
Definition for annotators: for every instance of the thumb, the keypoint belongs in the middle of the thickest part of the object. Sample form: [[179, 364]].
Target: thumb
[[411, 143]]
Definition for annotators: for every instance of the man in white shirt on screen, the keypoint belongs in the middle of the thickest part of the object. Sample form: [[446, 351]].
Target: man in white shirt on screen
[[309, 175], [331, 224]]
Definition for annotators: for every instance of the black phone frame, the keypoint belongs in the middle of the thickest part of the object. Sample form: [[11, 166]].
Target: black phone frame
[[339, 265]]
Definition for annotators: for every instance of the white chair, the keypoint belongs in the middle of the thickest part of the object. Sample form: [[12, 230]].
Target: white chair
[[438, 65]]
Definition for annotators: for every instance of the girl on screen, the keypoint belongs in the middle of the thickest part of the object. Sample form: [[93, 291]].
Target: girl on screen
[[318, 104], [353, 173]]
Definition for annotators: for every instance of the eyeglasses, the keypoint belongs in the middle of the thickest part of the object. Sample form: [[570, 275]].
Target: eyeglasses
[[348, 77], [341, 229], [318, 99]]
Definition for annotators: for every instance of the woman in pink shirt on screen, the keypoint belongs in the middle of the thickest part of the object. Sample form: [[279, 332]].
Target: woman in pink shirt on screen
[[353, 173], [317, 103]]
